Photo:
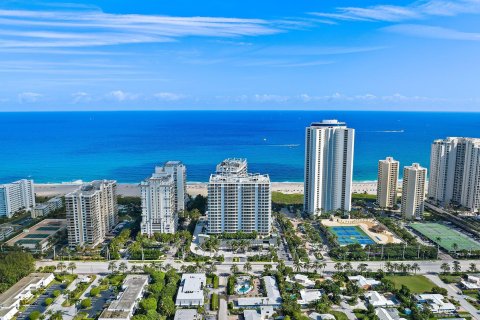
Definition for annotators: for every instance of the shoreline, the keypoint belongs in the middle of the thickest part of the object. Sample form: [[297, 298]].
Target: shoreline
[[193, 188]]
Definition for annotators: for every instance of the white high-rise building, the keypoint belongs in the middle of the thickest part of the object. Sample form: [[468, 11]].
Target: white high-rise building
[[163, 196], [91, 212], [328, 167], [455, 172], [15, 196], [237, 200], [387, 182], [413, 191]]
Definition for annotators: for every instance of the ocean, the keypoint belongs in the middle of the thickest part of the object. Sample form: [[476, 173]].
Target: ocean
[[68, 146]]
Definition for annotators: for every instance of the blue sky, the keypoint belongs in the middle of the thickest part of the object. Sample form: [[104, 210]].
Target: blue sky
[[263, 54]]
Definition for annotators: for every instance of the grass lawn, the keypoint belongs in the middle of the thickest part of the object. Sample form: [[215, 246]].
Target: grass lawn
[[416, 284], [288, 199], [363, 196], [339, 315], [450, 278]]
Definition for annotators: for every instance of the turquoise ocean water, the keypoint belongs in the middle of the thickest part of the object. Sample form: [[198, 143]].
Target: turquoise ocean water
[[66, 146]]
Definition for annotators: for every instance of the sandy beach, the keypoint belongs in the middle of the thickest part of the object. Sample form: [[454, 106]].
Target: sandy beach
[[194, 188]]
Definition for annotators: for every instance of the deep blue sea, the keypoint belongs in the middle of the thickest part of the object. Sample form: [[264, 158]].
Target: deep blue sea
[[66, 146]]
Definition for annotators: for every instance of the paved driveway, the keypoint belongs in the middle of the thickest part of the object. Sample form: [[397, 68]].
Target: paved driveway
[[99, 303], [39, 304]]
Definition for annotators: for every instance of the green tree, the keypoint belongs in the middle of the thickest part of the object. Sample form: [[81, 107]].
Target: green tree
[[95, 292], [35, 315], [167, 306], [72, 266], [48, 301], [86, 303], [148, 304]]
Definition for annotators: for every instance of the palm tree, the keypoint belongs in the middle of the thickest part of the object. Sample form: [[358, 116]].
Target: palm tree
[[112, 266], [362, 267], [438, 245], [297, 265], [72, 266], [456, 266], [247, 267], [445, 267], [122, 267], [267, 268], [338, 266], [389, 266], [415, 267], [61, 266], [455, 248], [234, 268], [473, 267]]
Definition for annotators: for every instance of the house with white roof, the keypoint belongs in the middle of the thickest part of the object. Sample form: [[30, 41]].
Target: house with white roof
[[365, 283], [187, 314], [308, 296], [273, 297], [264, 313], [303, 280], [472, 282], [11, 299], [388, 314], [436, 302], [321, 316], [190, 292], [378, 300]]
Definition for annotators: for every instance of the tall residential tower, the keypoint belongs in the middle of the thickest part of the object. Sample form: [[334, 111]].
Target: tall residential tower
[[91, 212], [387, 182], [455, 172], [163, 196], [413, 191], [16, 196], [328, 166], [237, 200]]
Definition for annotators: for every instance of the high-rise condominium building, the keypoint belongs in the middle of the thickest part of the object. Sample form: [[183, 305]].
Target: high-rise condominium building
[[16, 196], [455, 172], [91, 212], [163, 196], [387, 182], [238, 200], [413, 191], [328, 166]]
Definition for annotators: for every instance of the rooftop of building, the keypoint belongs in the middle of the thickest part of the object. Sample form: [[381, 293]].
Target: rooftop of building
[[90, 188], [133, 286], [42, 230], [273, 295], [232, 166], [248, 178], [191, 286], [9, 297], [187, 314], [329, 123]]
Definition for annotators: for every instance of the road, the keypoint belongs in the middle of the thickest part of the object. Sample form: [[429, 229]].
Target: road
[[91, 267], [453, 292]]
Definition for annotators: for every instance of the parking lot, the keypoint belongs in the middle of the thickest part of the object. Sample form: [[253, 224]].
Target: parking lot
[[99, 303], [39, 304]]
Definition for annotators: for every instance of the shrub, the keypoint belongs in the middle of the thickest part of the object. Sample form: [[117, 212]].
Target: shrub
[[95, 292], [48, 301], [56, 293], [214, 302], [35, 315], [86, 303]]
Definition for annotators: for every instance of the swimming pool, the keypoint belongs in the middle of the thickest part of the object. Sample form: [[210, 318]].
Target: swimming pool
[[351, 234]]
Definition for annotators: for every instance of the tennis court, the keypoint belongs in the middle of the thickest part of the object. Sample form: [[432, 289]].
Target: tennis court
[[36, 236], [445, 237], [28, 241], [350, 235], [48, 228]]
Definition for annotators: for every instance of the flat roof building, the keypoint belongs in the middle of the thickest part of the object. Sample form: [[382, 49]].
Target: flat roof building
[[38, 237], [187, 314], [127, 301], [237, 200], [190, 292], [16, 196], [10, 300], [273, 297]]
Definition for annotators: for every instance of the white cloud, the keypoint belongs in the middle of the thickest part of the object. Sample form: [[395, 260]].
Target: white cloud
[[168, 96], [24, 28], [29, 97], [79, 97], [121, 96], [414, 11], [433, 32], [269, 98]]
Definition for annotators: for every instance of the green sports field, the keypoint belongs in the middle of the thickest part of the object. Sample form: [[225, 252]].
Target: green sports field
[[448, 236]]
